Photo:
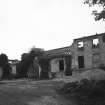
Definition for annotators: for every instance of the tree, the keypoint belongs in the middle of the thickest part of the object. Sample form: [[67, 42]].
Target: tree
[[3, 60], [27, 60], [4, 64], [36, 52], [44, 63], [98, 15], [23, 66]]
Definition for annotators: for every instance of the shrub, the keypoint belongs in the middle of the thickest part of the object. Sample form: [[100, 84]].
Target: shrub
[[86, 92], [102, 66]]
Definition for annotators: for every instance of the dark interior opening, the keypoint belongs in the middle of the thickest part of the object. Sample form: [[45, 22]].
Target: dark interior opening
[[68, 62], [61, 65], [81, 62], [103, 38]]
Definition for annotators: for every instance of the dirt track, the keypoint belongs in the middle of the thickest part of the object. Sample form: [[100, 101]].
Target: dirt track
[[32, 93]]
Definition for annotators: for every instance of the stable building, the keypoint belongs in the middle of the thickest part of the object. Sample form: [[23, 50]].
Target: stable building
[[60, 61], [88, 52]]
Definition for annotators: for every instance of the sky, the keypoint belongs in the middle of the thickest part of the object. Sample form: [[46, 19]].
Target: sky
[[47, 24]]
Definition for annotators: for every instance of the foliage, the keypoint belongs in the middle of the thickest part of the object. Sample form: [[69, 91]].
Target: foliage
[[20, 71], [102, 66], [98, 15], [24, 65], [44, 63], [36, 52], [6, 71], [3, 60], [27, 60], [5, 65], [86, 92]]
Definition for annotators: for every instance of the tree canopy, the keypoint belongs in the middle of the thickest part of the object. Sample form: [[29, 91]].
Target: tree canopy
[[27, 60], [101, 3], [4, 64], [3, 60]]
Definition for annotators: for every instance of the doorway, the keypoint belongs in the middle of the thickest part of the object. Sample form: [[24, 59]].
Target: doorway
[[68, 61], [61, 65], [81, 62]]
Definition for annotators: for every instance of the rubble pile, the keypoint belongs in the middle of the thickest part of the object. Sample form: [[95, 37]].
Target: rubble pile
[[86, 92]]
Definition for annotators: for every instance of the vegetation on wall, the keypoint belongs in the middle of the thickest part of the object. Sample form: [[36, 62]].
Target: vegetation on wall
[[44, 63], [102, 66], [27, 60]]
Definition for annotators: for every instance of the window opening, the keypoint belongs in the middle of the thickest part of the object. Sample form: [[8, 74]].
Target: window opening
[[81, 62], [61, 65], [103, 38], [80, 45], [95, 43]]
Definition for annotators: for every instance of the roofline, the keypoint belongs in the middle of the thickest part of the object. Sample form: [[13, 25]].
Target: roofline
[[55, 56], [58, 48], [90, 37]]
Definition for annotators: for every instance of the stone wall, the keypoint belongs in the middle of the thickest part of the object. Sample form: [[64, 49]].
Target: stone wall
[[93, 56], [54, 65]]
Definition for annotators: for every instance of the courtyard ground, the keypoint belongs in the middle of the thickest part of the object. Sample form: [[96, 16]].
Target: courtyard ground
[[28, 92]]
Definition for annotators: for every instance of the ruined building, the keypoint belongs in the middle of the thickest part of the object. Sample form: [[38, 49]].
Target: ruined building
[[59, 61], [85, 53], [88, 52]]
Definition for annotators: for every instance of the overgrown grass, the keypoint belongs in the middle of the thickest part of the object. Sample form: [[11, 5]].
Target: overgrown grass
[[85, 92]]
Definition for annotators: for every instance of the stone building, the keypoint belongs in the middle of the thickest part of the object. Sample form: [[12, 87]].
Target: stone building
[[84, 53], [60, 61], [88, 52], [13, 65]]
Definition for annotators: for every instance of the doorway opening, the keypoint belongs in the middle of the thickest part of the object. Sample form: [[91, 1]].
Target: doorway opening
[[68, 62], [61, 65], [81, 62]]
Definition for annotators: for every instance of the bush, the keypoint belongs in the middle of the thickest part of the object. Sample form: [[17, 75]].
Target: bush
[[86, 92], [102, 66], [44, 74]]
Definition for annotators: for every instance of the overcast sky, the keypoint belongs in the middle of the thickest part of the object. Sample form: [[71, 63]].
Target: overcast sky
[[47, 24]]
